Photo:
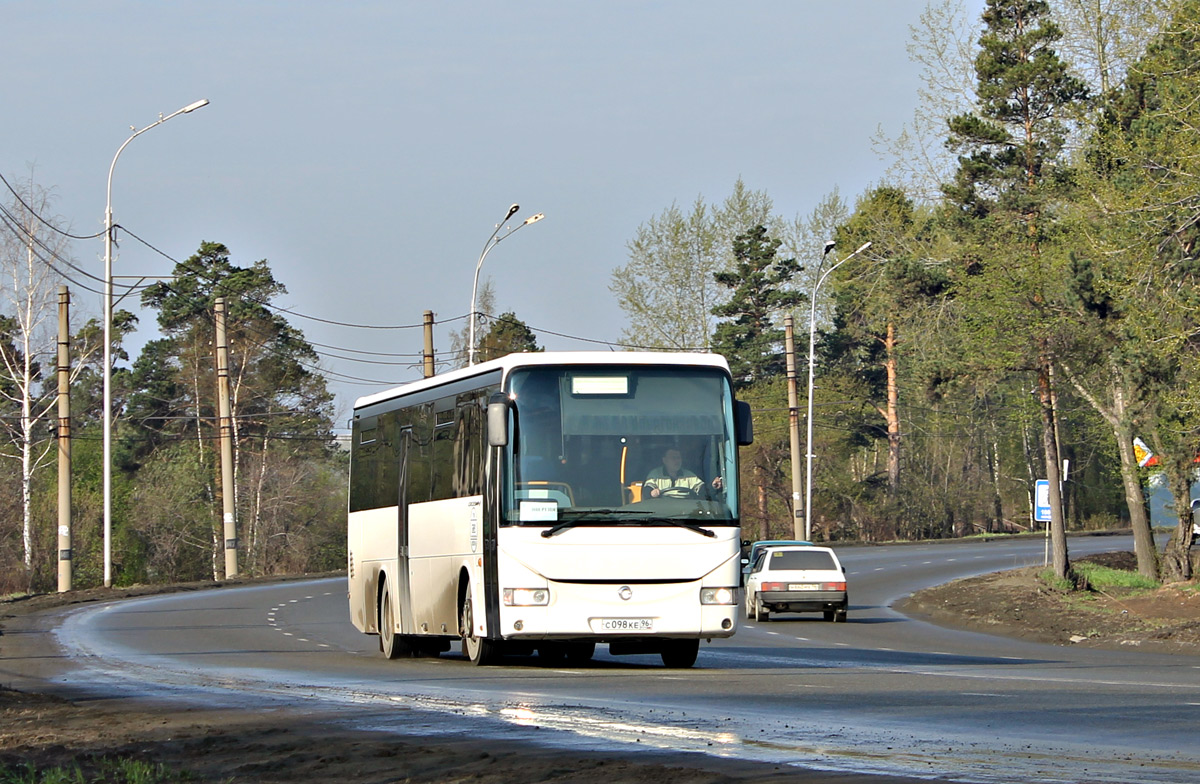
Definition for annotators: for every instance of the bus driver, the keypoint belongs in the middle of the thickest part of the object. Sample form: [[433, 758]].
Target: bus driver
[[672, 479]]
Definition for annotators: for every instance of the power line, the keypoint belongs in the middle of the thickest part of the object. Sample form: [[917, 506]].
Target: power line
[[288, 311], [42, 220]]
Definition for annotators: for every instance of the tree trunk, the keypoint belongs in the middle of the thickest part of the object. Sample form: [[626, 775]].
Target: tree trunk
[[27, 490], [256, 515], [893, 413], [1058, 531], [1119, 417], [1135, 501], [1177, 557], [760, 475]]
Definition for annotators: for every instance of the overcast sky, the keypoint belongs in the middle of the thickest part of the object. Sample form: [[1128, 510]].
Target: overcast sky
[[367, 149]]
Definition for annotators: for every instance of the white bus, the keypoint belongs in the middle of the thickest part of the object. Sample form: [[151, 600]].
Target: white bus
[[503, 505]]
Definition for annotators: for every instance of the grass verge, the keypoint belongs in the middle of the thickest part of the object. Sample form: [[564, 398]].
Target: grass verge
[[102, 771]]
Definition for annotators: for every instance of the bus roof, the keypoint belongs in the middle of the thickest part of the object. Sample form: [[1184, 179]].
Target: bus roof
[[510, 362]]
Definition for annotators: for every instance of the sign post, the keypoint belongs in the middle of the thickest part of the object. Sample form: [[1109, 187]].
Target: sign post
[[1041, 511]]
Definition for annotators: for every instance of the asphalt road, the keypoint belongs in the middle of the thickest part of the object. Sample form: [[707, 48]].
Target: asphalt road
[[882, 693]]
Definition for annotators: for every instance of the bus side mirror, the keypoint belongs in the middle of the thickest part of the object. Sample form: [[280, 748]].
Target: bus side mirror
[[743, 423], [497, 421]]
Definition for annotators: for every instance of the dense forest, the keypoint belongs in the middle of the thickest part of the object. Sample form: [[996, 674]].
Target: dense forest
[[1013, 301]]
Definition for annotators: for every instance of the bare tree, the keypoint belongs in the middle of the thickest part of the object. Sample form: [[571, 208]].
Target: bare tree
[[1103, 38], [28, 306], [943, 43], [667, 288], [485, 308]]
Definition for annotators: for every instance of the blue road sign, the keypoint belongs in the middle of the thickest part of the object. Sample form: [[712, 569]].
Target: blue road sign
[[1041, 504]]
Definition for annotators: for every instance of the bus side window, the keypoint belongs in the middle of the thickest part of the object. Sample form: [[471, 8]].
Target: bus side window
[[468, 447], [420, 453], [443, 452]]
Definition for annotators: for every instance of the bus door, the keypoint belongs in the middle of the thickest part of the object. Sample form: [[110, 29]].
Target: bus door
[[402, 576]]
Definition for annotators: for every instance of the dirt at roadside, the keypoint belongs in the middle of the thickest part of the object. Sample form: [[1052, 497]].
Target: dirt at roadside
[[233, 746], [1019, 604]]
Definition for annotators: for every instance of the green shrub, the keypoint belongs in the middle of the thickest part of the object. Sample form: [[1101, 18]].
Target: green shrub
[[1103, 578], [1055, 582], [106, 771]]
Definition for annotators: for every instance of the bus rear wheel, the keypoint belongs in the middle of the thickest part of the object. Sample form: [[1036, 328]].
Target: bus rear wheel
[[680, 654], [478, 650]]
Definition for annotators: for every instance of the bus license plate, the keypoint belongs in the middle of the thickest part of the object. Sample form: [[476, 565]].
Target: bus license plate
[[626, 624], [802, 586]]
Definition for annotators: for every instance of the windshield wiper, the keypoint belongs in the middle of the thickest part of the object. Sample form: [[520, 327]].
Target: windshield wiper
[[683, 524], [584, 517]]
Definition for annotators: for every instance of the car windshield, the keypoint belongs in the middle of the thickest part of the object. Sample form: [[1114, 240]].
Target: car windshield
[[779, 560], [621, 445]]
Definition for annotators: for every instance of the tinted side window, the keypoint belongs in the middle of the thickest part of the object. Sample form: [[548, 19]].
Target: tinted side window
[[374, 471], [420, 453], [443, 450], [468, 445]]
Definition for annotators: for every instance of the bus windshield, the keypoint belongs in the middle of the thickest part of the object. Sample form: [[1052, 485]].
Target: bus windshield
[[629, 445]]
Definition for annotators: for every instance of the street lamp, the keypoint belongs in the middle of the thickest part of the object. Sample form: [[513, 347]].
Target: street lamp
[[812, 329], [492, 242], [108, 306]]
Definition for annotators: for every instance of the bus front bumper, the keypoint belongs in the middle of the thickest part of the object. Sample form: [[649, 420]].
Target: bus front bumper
[[609, 611]]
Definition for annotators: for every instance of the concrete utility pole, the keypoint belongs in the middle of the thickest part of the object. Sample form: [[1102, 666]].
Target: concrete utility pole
[[64, 441], [428, 343], [794, 430], [225, 420]]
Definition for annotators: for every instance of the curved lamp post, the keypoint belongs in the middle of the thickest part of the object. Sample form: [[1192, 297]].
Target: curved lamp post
[[492, 242], [108, 306], [812, 328]]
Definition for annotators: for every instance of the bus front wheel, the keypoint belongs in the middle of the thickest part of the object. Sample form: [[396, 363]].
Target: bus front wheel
[[680, 654], [477, 649]]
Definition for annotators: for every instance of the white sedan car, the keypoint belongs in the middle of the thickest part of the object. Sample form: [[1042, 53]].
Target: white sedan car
[[791, 578]]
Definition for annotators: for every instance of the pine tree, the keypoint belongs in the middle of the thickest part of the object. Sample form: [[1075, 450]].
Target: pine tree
[[749, 338], [1008, 179], [507, 335]]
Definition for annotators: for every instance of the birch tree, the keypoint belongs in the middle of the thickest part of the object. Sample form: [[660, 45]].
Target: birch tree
[[942, 42], [668, 288], [1103, 38], [28, 343]]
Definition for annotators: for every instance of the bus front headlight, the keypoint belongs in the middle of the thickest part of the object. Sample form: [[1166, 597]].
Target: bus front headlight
[[526, 597], [717, 596]]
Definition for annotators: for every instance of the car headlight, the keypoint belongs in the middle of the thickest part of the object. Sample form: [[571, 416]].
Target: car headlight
[[717, 596], [526, 597]]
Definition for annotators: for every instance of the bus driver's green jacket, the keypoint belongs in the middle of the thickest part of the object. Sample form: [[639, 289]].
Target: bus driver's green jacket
[[659, 479]]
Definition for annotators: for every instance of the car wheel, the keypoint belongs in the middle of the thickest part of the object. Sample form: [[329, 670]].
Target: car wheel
[[760, 613]]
